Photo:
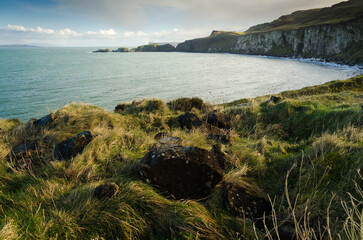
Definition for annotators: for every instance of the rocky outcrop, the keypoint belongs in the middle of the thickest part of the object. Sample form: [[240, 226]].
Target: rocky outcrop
[[107, 50], [121, 49], [332, 34], [218, 120], [189, 120], [43, 121], [340, 43], [155, 48], [184, 172], [71, 147], [24, 155], [245, 201]]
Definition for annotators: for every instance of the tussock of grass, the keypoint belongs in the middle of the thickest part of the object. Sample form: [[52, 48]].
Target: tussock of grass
[[304, 152]]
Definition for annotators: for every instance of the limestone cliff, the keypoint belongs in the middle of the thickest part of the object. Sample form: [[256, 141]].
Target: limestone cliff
[[332, 34]]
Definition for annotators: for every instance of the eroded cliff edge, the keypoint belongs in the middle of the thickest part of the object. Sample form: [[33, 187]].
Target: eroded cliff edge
[[333, 34]]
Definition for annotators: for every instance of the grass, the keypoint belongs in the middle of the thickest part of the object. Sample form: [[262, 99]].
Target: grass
[[348, 11], [304, 153]]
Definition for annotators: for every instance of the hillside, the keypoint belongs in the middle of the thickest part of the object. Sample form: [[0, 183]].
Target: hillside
[[349, 12], [284, 166], [331, 34]]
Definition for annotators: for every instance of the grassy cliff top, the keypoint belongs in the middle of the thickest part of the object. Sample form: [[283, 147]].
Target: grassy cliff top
[[345, 12], [303, 149]]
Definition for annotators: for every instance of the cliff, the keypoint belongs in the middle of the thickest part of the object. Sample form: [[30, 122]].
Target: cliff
[[155, 47], [332, 34]]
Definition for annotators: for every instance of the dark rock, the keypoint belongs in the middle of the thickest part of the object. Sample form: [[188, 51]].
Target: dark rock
[[106, 190], [22, 151], [189, 120], [184, 172], [287, 232], [274, 99], [245, 201], [218, 120], [42, 122], [121, 107], [72, 146], [219, 138], [161, 135], [24, 155], [224, 159]]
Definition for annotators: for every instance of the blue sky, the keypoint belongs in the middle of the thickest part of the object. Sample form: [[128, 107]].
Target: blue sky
[[133, 22]]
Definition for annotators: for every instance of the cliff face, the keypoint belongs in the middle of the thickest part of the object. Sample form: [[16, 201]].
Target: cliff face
[[342, 43], [329, 33]]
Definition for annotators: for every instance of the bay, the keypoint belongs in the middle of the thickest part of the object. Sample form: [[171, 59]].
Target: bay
[[36, 81]]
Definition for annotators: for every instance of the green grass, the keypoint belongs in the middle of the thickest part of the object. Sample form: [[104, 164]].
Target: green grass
[[348, 11], [304, 153]]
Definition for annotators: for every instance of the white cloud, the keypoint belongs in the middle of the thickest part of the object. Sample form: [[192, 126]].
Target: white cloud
[[102, 32], [63, 32], [13, 34]]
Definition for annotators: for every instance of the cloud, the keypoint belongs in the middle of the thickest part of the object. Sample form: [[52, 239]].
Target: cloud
[[14, 34], [39, 30], [189, 13]]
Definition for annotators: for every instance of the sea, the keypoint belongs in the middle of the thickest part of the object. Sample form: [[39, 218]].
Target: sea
[[38, 80]]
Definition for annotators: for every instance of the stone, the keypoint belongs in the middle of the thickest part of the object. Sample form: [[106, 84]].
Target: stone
[[189, 120], [71, 147], [287, 232], [218, 120], [183, 172], [42, 122], [106, 190], [245, 201], [274, 99], [24, 155]]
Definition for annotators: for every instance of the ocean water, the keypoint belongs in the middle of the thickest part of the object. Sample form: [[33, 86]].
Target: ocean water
[[36, 81]]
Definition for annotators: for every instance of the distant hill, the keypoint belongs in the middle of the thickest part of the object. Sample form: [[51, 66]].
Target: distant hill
[[349, 12], [333, 34]]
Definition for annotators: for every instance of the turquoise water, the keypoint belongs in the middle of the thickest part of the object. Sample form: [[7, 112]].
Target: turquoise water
[[36, 81]]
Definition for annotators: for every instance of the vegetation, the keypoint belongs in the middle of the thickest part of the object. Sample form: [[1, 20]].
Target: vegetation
[[344, 12], [155, 47], [121, 49], [218, 41], [303, 152], [103, 50]]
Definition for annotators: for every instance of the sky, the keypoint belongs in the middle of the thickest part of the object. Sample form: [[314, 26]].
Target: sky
[[126, 23]]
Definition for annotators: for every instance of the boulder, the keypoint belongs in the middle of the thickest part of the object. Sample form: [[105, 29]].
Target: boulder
[[184, 172], [72, 146], [218, 120], [42, 122], [106, 190], [245, 201], [224, 160], [189, 120], [24, 155], [275, 99]]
